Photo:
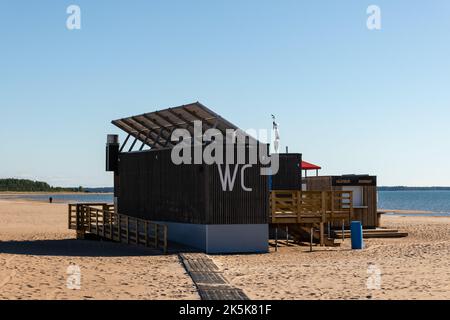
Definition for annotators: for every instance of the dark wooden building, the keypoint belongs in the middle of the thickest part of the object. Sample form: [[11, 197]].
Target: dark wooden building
[[151, 187], [201, 207]]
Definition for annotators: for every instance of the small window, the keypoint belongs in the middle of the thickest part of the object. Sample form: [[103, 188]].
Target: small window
[[357, 195]]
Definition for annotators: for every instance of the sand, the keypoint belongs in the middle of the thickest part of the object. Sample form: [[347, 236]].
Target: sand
[[416, 267], [36, 248]]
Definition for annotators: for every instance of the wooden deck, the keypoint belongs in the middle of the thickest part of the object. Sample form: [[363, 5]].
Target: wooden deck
[[101, 220], [303, 211], [299, 207]]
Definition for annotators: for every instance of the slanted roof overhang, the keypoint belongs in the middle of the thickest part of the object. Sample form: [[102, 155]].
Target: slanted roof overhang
[[155, 129]]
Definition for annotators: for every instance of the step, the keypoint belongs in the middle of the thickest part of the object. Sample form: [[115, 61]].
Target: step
[[373, 234]]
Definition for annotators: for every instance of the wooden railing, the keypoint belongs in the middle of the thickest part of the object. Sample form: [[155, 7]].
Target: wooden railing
[[291, 206], [101, 220]]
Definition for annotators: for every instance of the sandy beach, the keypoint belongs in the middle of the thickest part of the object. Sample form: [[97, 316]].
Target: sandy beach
[[416, 267], [36, 248]]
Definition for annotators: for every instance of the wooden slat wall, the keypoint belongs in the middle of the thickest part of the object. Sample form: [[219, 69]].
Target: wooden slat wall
[[153, 188], [370, 199], [368, 217], [238, 206], [318, 183]]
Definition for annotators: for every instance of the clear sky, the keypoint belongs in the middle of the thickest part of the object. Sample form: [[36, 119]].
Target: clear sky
[[349, 99]]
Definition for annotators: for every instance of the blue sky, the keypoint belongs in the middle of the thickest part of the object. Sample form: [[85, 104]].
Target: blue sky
[[349, 99]]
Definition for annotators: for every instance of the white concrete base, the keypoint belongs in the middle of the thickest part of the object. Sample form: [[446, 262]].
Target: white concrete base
[[234, 238]]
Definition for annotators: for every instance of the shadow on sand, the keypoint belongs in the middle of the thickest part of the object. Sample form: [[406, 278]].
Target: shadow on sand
[[75, 248]]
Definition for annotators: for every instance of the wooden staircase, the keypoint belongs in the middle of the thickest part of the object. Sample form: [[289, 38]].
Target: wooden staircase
[[303, 211], [373, 233]]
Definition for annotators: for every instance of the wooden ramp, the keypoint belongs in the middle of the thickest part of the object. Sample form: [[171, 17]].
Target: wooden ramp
[[208, 279], [99, 219]]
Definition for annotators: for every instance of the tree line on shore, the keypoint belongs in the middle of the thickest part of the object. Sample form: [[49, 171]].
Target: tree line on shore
[[24, 185]]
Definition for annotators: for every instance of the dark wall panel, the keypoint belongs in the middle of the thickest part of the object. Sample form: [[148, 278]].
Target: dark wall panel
[[289, 176], [151, 187], [238, 206]]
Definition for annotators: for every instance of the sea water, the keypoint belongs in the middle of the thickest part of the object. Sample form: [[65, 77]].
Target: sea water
[[436, 201]]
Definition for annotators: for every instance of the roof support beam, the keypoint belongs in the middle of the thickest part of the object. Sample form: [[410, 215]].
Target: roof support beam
[[134, 143], [170, 135], [126, 127], [159, 136], [145, 141], [151, 131], [165, 137], [125, 142]]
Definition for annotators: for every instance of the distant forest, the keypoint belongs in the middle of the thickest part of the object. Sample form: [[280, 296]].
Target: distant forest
[[23, 185], [400, 188]]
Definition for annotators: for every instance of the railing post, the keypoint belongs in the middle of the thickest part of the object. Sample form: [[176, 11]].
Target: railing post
[[299, 206], [137, 231], [103, 223], [287, 235], [127, 229], [88, 212], [83, 217], [322, 234], [165, 239], [80, 225], [329, 229], [119, 227], [332, 204], [322, 231], [276, 238], [351, 207], [274, 205], [146, 233], [156, 236], [70, 215], [79, 217], [111, 231], [96, 221]]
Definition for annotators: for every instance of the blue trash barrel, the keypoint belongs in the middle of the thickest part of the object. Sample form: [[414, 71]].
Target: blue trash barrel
[[357, 235]]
